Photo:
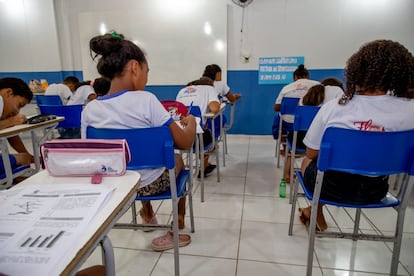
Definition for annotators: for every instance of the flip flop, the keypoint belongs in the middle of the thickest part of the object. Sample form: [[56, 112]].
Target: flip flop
[[167, 241], [305, 220]]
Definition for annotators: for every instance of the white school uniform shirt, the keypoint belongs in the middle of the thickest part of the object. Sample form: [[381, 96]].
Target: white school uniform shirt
[[369, 113], [1, 106], [332, 92], [198, 95], [296, 89], [124, 110], [61, 90], [222, 89], [81, 95]]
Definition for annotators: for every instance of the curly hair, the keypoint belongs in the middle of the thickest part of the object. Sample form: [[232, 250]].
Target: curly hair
[[383, 65]]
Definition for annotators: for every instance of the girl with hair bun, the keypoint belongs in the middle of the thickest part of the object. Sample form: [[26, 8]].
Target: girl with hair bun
[[127, 105]]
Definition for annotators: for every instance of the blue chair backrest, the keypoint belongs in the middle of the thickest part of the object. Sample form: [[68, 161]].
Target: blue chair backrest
[[304, 116], [196, 112], [72, 114], [48, 100], [150, 147], [367, 152], [288, 105]]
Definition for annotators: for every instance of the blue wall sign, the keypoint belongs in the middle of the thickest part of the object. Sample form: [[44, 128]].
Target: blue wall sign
[[278, 70]]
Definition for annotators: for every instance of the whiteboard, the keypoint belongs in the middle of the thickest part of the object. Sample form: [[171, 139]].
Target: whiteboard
[[177, 47]]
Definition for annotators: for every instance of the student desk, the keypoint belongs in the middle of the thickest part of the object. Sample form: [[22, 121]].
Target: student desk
[[96, 231], [46, 127]]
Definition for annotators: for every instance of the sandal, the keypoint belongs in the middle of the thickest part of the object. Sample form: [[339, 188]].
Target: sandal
[[167, 241], [305, 220]]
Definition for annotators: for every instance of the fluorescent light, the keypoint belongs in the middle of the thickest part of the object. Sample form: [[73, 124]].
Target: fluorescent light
[[102, 29]]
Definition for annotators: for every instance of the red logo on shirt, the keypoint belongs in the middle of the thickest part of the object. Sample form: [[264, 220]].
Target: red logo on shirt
[[367, 125]]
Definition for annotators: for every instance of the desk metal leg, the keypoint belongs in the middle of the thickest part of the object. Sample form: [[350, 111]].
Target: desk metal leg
[[36, 142], [108, 257], [6, 162]]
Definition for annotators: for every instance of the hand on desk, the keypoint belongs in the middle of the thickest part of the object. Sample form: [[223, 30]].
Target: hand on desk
[[188, 120], [15, 120]]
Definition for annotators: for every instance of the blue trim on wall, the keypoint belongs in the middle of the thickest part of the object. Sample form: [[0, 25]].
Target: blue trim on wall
[[51, 77], [254, 111]]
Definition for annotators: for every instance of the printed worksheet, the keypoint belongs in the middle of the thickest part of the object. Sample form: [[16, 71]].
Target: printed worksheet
[[39, 223]]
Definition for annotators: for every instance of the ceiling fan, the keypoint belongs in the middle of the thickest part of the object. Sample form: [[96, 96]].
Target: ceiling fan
[[242, 3]]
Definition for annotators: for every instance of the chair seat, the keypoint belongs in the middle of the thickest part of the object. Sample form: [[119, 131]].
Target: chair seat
[[181, 185], [15, 170], [388, 201], [297, 150]]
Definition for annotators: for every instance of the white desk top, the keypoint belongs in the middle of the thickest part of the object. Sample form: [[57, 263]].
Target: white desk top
[[14, 130], [120, 200]]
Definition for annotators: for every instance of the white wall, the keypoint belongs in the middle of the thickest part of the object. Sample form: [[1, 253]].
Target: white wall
[[44, 35], [28, 36], [326, 32]]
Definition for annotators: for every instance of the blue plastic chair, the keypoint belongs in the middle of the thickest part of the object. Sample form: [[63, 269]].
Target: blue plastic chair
[[72, 114], [17, 171], [203, 149], [48, 100], [365, 153], [153, 148], [287, 108], [303, 118]]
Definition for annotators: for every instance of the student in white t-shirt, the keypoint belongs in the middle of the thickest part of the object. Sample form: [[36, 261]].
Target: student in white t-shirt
[[296, 89], [63, 90], [127, 105], [378, 98], [317, 95], [213, 71], [84, 93], [14, 94], [201, 93]]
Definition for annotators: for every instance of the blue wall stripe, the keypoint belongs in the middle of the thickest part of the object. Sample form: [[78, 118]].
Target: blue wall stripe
[[51, 77], [254, 111]]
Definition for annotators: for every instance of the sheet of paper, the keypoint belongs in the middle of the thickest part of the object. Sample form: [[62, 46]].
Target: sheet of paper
[[39, 223]]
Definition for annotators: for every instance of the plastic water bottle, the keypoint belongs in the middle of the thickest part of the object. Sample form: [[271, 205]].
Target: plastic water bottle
[[282, 188]]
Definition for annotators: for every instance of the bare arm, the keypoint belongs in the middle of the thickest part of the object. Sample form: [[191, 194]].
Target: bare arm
[[232, 97], [92, 96], [13, 121], [184, 137], [311, 154], [214, 107]]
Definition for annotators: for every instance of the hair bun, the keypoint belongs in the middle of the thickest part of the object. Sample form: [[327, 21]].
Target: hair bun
[[301, 67], [105, 44]]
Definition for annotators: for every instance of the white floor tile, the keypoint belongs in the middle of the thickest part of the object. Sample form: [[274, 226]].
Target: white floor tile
[[242, 228]]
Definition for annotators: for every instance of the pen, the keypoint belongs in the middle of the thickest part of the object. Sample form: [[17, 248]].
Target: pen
[[189, 108]]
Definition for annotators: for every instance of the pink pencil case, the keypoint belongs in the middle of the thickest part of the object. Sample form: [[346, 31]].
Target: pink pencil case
[[85, 157]]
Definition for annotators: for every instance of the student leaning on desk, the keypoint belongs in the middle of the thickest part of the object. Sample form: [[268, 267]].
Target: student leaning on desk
[[14, 94]]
